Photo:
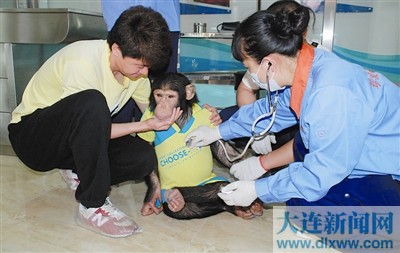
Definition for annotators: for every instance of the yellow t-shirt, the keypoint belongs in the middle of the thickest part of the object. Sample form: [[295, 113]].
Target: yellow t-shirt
[[179, 165], [77, 67]]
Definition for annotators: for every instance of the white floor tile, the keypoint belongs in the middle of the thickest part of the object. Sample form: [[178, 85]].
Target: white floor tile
[[37, 211]]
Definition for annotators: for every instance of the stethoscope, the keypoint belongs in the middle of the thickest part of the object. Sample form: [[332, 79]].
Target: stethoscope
[[272, 103], [271, 113]]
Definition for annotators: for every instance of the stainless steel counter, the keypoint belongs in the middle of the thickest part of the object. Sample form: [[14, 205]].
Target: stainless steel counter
[[49, 26], [220, 35]]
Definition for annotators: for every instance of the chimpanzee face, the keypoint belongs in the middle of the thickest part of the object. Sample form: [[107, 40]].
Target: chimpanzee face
[[166, 100]]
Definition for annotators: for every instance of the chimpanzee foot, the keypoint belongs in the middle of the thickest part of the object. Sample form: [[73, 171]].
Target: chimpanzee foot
[[257, 208], [244, 213], [175, 200]]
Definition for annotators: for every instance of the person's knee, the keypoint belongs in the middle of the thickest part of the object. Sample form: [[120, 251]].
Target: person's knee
[[93, 105], [131, 158], [92, 99]]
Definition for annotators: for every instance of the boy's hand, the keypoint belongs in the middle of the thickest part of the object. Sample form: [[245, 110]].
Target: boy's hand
[[163, 124]]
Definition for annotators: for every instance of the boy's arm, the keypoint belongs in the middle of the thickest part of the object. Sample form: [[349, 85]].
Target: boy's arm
[[151, 124]]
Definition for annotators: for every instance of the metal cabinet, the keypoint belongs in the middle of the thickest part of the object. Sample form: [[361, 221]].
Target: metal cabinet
[[7, 90], [28, 37]]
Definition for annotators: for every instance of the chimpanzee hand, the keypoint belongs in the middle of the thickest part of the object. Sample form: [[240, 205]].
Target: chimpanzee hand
[[153, 195], [215, 118]]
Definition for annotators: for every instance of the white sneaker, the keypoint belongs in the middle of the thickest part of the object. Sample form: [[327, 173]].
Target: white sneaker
[[106, 220], [70, 178]]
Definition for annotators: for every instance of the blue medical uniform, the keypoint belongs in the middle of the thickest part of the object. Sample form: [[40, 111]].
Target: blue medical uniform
[[350, 127]]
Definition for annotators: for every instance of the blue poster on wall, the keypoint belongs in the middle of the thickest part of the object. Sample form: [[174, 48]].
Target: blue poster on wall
[[205, 7], [318, 6]]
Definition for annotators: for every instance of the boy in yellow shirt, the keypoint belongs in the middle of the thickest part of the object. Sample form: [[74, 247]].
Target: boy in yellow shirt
[[64, 118]]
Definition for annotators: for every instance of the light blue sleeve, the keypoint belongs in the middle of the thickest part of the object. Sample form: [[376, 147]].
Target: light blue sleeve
[[169, 9], [334, 126], [240, 124], [112, 9]]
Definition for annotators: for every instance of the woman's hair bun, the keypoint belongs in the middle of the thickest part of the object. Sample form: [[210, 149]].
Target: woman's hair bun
[[286, 23]]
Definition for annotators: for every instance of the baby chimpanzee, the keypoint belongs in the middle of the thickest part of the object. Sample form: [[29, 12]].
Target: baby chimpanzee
[[189, 186]]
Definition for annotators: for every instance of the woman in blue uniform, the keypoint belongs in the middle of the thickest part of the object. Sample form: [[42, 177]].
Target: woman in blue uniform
[[348, 148]]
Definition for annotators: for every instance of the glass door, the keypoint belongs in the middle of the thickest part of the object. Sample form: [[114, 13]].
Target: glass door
[[366, 32]]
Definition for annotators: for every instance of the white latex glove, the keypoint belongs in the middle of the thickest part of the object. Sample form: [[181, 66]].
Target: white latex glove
[[202, 136], [248, 169], [239, 193], [263, 146]]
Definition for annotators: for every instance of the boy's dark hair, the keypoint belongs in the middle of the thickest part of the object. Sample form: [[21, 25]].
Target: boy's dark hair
[[142, 33]]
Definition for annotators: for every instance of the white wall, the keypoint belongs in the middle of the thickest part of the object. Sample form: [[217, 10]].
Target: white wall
[[377, 32], [240, 10]]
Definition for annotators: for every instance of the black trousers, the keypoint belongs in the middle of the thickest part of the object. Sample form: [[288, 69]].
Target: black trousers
[[74, 133]]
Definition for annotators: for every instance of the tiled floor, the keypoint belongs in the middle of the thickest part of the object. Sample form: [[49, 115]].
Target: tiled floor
[[37, 215]]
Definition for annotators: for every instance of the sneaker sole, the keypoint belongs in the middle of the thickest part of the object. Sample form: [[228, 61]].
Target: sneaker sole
[[81, 224]]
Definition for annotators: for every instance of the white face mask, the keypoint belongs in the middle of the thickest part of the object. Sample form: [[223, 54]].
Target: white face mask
[[273, 85]]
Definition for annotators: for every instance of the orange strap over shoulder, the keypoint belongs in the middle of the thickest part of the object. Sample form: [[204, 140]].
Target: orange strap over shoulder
[[300, 79]]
